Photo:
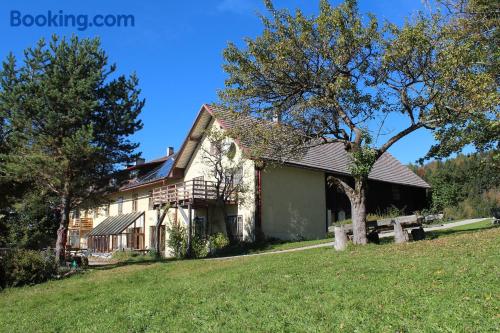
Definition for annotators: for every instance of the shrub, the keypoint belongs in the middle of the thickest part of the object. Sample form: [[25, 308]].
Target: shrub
[[217, 241], [134, 256], [475, 206], [199, 247], [27, 267], [177, 240]]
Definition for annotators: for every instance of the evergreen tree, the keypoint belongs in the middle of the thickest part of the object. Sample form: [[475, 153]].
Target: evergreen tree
[[68, 122]]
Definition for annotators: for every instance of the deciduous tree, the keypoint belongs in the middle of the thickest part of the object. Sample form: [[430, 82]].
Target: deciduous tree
[[338, 77]]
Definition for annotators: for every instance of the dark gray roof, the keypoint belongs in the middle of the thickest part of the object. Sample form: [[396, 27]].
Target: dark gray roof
[[114, 225], [157, 173], [332, 157]]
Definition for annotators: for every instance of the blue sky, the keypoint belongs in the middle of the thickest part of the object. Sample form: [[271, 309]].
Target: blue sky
[[176, 49]]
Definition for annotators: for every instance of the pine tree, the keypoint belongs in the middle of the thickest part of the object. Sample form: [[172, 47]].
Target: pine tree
[[68, 122]]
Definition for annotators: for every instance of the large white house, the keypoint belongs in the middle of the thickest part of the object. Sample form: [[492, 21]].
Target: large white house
[[290, 201]]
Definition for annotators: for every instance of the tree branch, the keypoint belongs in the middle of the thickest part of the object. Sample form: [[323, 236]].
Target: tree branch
[[398, 136]]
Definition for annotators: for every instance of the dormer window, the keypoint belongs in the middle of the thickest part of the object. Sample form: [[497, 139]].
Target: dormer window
[[134, 174], [120, 205], [135, 202]]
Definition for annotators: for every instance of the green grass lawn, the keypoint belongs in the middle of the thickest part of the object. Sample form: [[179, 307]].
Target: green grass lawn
[[448, 284], [486, 223]]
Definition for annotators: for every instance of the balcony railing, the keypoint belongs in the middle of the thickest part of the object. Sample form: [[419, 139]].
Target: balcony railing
[[84, 223], [190, 191]]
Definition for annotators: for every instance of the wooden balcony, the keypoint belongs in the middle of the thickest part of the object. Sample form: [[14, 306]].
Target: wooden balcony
[[83, 223], [195, 191]]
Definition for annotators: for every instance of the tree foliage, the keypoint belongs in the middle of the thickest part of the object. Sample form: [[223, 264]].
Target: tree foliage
[[31, 222], [68, 121], [472, 70], [224, 166], [464, 186], [338, 76]]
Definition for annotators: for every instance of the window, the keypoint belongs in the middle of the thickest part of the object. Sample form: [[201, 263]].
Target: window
[[106, 210], [199, 225], [151, 205], [216, 148], [77, 213], [231, 151], [96, 213], [234, 176], [135, 201], [120, 205], [236, 222], [396, 195]]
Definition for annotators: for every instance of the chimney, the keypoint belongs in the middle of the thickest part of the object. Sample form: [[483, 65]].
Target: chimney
[[139, 161], [170, 151], [277, 117]]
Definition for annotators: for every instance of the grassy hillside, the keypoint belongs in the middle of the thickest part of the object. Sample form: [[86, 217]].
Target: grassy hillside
[[448, 284]]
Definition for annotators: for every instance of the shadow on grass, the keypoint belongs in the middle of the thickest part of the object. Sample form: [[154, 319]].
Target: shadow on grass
[[243, 248], [446, 232], [144, 262]]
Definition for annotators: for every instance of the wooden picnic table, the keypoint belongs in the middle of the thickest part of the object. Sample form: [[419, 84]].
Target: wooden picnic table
[[401, 225]]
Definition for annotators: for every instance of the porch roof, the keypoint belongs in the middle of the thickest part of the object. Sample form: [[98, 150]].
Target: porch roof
[[114, 225]]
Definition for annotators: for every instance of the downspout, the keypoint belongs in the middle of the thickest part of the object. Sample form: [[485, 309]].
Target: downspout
[[258, 204]]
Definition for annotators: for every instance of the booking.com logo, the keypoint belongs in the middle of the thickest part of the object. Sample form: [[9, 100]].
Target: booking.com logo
[[59, 19]]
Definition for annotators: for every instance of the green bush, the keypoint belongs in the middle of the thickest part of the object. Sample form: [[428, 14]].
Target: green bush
[[218, 241], [199, 247], [475, 206], [27, 267], [134, 256], [177, 240]]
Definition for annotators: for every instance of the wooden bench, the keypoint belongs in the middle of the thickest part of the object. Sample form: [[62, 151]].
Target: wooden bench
[[403, 227], [496, 215]]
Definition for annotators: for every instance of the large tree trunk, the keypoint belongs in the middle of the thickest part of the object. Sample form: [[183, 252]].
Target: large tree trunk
[[229, 230], [62, 231], [358, 211]]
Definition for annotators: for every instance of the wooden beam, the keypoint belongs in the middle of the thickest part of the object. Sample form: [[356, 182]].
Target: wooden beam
[[194, 138]]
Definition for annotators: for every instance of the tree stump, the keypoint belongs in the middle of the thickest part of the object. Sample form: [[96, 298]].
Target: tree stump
[[418, 234], [340, 238], [400, 235]]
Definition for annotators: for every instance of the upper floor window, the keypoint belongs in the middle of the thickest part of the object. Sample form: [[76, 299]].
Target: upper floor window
[[133, 174], [106, 210], [235, 176], [120, 205], [231, 151], [135, 202], [150, 200]]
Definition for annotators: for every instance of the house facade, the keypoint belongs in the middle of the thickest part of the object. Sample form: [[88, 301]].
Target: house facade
[[287, 201]]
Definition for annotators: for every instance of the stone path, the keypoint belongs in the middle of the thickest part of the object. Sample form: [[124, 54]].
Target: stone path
[[383, 235]]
